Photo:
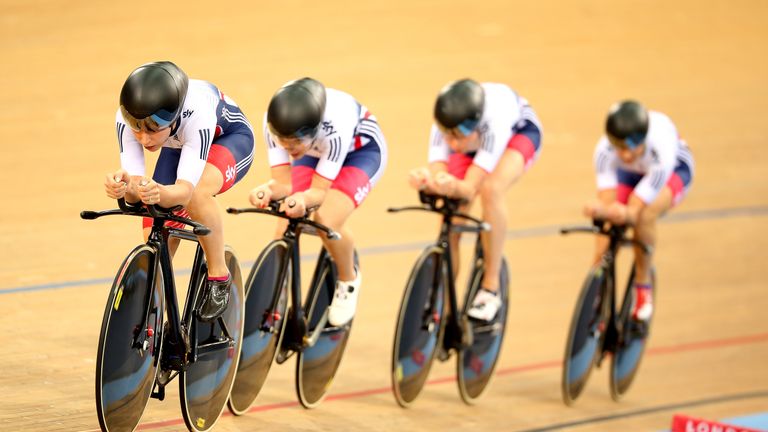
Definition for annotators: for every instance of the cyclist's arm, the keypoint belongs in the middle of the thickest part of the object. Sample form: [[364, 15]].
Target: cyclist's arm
[[315, 195], [280, 185], [436, 167], [468, 187]]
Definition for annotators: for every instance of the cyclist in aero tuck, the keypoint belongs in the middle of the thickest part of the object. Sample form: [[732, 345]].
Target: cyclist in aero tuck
[[206, 146], [325, 149], [485, 136], [643, 169]]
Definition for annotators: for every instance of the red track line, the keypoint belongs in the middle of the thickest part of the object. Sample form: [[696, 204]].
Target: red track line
[[692, 346]]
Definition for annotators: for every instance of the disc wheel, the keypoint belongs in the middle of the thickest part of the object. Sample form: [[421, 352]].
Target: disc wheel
[[129, 343], [420, 326]]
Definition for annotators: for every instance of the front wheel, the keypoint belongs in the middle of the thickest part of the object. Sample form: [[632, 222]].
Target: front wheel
[[263, 326], [477, 362], [586, 335], [420, 326], [205, 385], [632, 340], [129, 343], [317, 363]]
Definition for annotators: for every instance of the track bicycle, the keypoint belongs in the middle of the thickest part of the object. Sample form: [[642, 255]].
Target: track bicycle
[[430, 324], [597, 327], [274, 331], [141, 350]]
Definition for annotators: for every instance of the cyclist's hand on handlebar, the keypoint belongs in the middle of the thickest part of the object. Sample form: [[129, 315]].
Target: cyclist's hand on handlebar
[[593, 210], [615, 213], [419, 178], [444, 184], [149, 191], [294, 205], [260, 196], [116, 184]]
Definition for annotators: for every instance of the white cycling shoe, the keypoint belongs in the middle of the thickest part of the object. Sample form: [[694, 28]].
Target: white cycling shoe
[[342, 308], [485, 305]]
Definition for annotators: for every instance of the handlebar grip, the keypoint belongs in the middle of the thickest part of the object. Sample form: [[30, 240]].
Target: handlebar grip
[[201, 230], [89, 215]]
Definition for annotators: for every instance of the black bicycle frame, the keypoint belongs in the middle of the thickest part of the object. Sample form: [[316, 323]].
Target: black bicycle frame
[[158, 240], [296, 327], [448, 210], [617, 239]]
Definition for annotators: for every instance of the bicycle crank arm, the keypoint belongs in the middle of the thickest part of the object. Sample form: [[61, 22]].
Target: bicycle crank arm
[[312, 340]]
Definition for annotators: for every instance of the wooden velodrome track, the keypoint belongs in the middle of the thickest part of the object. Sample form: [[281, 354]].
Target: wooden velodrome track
[[703, 63]]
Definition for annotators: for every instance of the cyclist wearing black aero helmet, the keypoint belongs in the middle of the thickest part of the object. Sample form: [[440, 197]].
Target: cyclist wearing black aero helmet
[[627, 124], [485, 136], [297, 109], [153, 95], [325, 149], [205, 144], [643, 169], [459, 107]]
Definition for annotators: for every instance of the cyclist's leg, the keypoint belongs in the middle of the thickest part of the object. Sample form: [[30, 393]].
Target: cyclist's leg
[[522, 151], [458, 164], [228, 161], [361, 171], [334, 212], [671, 195], [165, 174], [229, 158], [492, 190]]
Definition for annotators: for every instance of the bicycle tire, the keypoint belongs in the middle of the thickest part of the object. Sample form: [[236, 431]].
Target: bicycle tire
[[476, 363], [205, 385], [125, 374], [420, 326], [316, 365], [260, 344], [633, 338], [586, 334]]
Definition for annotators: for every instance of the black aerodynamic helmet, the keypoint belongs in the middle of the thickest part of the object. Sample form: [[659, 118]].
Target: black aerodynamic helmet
[[153, 96], [459, 106], [627, 121], [296, 109]]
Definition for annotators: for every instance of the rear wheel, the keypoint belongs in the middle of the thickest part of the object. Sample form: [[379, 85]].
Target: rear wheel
[[632, 340], [420, 326], [586, 335], [316, 364], [477, 362], [205, 384], [129, 344], [263, 326]]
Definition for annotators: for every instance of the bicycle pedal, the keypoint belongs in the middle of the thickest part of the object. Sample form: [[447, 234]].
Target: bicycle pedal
[[160, 393]]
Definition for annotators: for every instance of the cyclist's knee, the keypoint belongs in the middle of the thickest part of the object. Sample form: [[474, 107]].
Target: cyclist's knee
[[492, 190]]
